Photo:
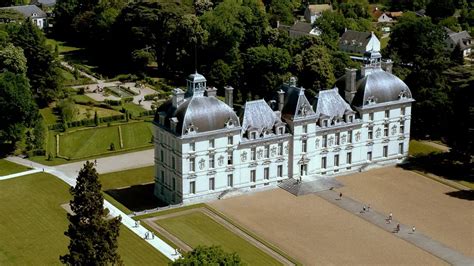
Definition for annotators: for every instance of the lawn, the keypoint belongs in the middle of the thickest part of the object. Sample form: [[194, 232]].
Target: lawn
[[132, 108], [198, 229], [33, 223], [127, 178], [87, 112], [70, 80], [96, 141], [7, 168], [49, 116], [418, 148]]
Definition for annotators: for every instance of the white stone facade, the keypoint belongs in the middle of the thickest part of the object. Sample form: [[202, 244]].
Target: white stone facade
[[295, 138]]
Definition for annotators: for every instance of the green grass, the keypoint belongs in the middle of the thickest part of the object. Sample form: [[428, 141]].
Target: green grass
[[132, 108], [48, 115], [8, 168], [88, 142], [127, 178], [83, 110], [418, 148], [33, 225], [70, 80], [199, 229], [136, 134], [82, 99]]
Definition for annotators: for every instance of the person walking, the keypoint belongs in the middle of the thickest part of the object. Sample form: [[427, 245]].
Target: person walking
[[413, 230], [368, 208], [398, 228], [340, 195]]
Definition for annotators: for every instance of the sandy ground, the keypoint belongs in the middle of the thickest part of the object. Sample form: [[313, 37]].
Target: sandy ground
[[417, 200], [316, 232]]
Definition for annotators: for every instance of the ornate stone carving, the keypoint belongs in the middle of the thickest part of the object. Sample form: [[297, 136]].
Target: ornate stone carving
[[202, 164], [394, 129], [378, 132], [343, 139], [330, 141], [259, 153], [221, 160], [243, 156], [274, 150], [357, 134], [317, 143]]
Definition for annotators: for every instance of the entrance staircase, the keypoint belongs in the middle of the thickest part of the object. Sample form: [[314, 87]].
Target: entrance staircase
[[307, 187]]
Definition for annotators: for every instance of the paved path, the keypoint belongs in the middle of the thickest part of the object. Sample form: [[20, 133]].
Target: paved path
[[29, 172], [69, 176], [379, 219]]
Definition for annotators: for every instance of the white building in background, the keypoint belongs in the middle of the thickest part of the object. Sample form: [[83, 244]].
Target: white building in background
[[204, 150]]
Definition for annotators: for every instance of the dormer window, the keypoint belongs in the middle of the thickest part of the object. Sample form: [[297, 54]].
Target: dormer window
[[387, 113], [229, 123], [192, 146], [349, 118], [402, 111], [325, 122], [253, 134], [230, 140], [305, 129], [281, 130]]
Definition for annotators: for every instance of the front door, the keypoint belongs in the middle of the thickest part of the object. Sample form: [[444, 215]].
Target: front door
[[303, 170]]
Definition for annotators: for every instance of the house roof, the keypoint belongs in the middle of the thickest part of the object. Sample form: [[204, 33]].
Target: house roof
[[356, 36], [462, 38], [396, 14], [329, 103], [258, 116], [28, 11], [296, 105], [300, 26], [314, 9], [43, 2]]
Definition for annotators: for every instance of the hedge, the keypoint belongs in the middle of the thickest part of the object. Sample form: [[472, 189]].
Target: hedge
[[150, 97], [86, 122]]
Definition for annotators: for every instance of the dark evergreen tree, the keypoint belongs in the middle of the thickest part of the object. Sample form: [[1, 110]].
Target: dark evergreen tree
[[93, 235], [213, 255]]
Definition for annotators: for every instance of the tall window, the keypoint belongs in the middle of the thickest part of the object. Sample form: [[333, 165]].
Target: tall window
[[370, 133], [192, 146], [280, 171], [402, 111], [211, 143], [323, 162], [173, 162], [385, 151], [369, 156], [371, 116], [349, 136], [230, 140], [230, 180], [266, 173], [349, 159], [253, 154], [325, 141], [211, 183], [305, 128], [385, 130], [402, 127], [336, 162], [304, 145], [162, 176], [229, 158], [267, 151], [174, 183], [192, 187], [192, 165], [280, 148], [400, 148], [162, 156], [211, 161], [387, 113], [252, 177], [338, 136]]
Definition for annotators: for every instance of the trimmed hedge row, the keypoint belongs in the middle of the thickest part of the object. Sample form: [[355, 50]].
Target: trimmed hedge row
[[86, 122]]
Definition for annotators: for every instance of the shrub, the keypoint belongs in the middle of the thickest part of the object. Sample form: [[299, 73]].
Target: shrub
[[151, 97], [127, 99], [112, 146]]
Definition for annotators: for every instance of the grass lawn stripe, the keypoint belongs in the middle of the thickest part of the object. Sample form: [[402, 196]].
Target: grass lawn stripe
[[136, 134], [8, 168], [127, 178], [33, 224], [198, 229]]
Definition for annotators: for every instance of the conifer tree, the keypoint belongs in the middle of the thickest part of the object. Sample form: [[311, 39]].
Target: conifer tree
[[93, 236]]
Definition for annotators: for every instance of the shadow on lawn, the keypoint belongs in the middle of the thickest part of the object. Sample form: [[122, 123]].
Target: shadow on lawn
[[462, 194], [137, 198], [447, 165]]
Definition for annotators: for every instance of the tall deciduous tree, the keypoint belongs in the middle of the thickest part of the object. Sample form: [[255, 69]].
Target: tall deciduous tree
[[93, 235], [12, 59], [17, 107], [42, 69], [314, 68]]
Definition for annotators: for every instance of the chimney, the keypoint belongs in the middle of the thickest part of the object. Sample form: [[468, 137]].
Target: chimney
[[350, 89], [178, 97], [173, 124], [387, 65], [281, 100], [229, 96], [211, 92]]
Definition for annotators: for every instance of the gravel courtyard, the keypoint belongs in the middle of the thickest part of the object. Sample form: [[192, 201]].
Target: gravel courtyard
[[316, 232], [416, 200]]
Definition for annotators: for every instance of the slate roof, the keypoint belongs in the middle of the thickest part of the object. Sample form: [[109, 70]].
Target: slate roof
[[28, 11], [462, 38], [204, 113], [295, 103], [48, 3], [300, 26], [357, 36], [329, 103], [258, 116]]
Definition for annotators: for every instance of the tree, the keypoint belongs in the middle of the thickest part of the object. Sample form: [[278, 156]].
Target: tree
[[42, 69], [201, 6], [12, 59], [93, 235], [265, 69], [17, 107], [314, 68], [439, 9], [213, 255]]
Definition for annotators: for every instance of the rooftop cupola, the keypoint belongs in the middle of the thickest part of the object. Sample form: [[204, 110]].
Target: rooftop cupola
[[196, 84]]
